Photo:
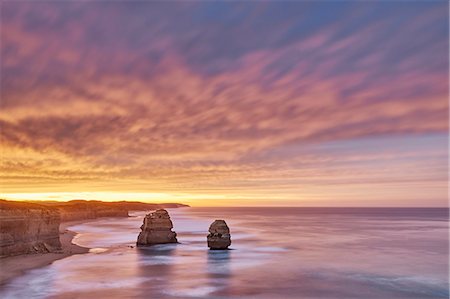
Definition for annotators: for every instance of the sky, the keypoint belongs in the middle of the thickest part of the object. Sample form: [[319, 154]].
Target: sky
[[269, 103]]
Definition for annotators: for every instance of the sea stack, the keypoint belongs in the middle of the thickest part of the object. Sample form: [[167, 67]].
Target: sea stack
[[157, 229], [219, 235]]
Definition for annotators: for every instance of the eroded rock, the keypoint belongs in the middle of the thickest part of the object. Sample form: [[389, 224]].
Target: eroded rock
[[156, 229], [28, 228], [219, 235]]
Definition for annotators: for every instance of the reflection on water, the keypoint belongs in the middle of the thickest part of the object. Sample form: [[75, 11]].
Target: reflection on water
[[219, 271], [275, 253], [156, 260], [219, 263]]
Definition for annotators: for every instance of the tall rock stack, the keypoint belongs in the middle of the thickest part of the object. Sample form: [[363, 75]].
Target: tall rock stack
[[219, 235], [157, 229]]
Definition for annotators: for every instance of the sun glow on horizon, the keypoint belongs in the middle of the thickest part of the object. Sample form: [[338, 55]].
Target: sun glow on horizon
[[222, 200], [111, 196]]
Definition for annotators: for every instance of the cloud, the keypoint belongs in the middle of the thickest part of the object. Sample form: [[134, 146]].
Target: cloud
[[194, 95]]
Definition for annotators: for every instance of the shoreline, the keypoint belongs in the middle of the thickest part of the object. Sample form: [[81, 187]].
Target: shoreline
[[15, 266]]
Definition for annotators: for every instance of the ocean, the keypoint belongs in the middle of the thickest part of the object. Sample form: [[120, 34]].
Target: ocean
[[275, 253]]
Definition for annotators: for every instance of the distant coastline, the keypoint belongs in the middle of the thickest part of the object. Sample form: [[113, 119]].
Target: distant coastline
[[34, 234]]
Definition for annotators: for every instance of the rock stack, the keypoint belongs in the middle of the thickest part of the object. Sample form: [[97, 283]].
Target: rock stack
[[157, 229], [219, 235]]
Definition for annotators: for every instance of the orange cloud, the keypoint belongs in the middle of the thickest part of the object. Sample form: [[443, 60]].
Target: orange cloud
[[80, 114]]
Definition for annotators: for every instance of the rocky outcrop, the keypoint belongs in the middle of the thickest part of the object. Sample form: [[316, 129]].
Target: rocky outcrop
[[219, 235], [28, 228], [156, 229]]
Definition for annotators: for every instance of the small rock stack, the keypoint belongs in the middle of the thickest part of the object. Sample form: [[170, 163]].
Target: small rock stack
[[219, 235], [157, 229]]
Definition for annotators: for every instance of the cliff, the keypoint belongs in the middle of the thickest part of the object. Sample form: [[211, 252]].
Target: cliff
[[81, 210], [28, 228], [90, 209], [142, 206]]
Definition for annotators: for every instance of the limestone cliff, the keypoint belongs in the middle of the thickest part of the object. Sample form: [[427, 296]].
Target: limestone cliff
[[28, 228], [157, 229], [82, 210], [91, 209]]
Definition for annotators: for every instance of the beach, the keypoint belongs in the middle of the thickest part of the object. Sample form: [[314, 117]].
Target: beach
[[14, 266]]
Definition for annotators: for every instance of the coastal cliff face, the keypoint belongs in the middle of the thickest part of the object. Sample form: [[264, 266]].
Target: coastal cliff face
[[28, 228], [92, 209], [89, 210], [86, 214], [157, 229]]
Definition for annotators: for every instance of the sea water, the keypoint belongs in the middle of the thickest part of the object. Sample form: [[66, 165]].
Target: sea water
[[275, 253]]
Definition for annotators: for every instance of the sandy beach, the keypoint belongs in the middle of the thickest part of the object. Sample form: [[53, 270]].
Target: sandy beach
[[14, 266]]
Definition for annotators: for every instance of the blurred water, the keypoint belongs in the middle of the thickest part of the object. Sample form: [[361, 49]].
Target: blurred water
[[276, 253]]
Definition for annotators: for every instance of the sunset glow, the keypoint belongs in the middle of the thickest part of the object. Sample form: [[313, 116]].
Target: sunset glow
[[237, 106]]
